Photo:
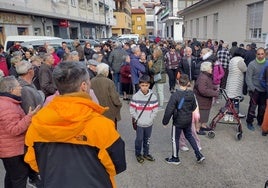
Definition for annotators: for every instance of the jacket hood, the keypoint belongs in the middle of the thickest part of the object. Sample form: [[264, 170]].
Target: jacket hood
[[65, 116]]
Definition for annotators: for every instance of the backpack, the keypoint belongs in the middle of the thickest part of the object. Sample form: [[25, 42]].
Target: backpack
[[263, 80]]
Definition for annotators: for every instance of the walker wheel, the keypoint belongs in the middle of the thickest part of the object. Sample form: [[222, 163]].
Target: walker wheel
[[266, 184], [211, 134], [238, 136]]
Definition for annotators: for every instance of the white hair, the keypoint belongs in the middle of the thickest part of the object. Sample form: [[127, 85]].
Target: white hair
[[102, 69], [206, 66]]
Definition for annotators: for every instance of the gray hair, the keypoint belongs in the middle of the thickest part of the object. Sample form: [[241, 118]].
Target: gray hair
[[95, 56], [134, 49], [102, 69], [15, 59], [206, 66], [7, 84], [68, 76]]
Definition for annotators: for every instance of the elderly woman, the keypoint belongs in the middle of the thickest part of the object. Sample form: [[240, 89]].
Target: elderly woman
[[13, 126], [106, 93], [156, 67], [235, 79], [204, 90]]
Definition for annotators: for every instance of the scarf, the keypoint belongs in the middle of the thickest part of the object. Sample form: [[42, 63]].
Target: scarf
[[260, 61], [15, 97]]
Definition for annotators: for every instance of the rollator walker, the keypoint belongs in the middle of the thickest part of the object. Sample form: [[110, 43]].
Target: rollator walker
[[227, 115]]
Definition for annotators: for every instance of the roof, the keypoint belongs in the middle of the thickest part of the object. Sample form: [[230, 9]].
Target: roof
[[199, 5], [137, 11]]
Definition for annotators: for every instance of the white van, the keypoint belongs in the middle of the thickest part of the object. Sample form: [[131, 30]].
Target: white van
[[127, 37], [24, 38]]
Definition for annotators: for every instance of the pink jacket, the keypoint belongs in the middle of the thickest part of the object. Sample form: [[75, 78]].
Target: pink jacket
[[13, 126]]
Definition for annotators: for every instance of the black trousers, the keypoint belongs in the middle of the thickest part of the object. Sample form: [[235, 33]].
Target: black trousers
[[16, 172]]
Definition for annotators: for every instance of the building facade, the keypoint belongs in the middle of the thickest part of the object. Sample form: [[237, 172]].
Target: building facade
[[122, 14], [240, 20], [138, 22], [61, 18], [172, 23]]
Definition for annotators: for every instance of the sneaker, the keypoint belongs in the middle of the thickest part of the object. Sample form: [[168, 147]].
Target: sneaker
[[200, 159], [250, 126], [200, 132], [199, 148], [264, 133], [149, 157], [32, 183], [140, 159], [184, 148], [241, 115], [173, 160]]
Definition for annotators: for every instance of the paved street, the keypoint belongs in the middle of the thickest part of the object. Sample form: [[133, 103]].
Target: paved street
[[229, 163]]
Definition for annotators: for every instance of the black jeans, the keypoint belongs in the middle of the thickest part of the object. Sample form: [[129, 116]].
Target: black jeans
[[257, 99], [16, 172], [172, 74]]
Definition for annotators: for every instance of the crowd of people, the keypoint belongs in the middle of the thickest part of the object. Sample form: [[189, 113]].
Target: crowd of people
[[79, 92]]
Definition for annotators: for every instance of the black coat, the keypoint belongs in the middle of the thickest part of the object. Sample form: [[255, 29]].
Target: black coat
[[182, 117]]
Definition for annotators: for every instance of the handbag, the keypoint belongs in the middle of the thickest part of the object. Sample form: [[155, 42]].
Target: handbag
[[158, 76], [134, 121]]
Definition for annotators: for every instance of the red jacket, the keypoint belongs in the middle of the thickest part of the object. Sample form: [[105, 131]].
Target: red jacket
[[13, 126], [125, 74]]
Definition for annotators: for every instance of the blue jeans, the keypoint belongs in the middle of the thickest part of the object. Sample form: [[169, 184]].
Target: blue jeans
[[143, 135], [175, 136], [116, 78]]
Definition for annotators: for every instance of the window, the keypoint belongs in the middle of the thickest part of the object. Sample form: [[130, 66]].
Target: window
[[37, 31], [22, 31], [197, 27], [89, 5], [73, 3], [215, 25], [150, 23], [139, 27], [191, 28], [138, 18], [255, 13], [205, 25]]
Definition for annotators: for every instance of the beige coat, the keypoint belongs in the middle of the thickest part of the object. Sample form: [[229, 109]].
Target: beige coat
[[107, 95]]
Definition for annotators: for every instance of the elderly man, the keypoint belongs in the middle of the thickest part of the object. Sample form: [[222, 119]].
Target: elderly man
[[188, 65], [45, 75], [115, 60], [69, 142], [256, 91]]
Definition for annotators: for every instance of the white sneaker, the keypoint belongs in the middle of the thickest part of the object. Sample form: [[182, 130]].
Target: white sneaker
[[199, 148], [184, 148]]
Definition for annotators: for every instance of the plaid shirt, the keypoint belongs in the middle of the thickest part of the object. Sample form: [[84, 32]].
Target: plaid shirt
[[224, 57]]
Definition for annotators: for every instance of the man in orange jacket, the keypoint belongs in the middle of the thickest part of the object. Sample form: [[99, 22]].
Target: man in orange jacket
[[69, 142]]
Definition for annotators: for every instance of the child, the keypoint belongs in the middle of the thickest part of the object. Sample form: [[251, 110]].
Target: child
[[195, 120], [145, 122], [181, 105]]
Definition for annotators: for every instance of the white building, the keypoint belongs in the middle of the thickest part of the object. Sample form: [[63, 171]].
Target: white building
[[61, 18], [229, 20], [172, 23]]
